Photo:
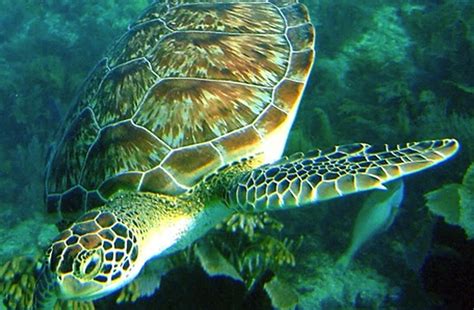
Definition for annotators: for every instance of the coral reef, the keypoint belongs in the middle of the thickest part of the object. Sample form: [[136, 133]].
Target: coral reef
[[254, 247], [326, 287], [17, 283]]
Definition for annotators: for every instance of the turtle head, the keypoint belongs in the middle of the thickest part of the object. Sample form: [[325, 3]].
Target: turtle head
[[95, 256]]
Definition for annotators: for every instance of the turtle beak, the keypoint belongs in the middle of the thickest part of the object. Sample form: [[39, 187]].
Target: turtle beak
[[73, 288], [46, 290]]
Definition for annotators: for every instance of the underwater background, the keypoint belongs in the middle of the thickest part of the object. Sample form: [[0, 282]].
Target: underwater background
[[385, 72]]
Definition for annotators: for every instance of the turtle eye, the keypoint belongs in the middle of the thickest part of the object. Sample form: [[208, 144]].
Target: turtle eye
[[90, 264]]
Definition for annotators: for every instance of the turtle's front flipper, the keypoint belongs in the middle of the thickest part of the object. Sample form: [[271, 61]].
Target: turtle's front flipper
[[316, 176]]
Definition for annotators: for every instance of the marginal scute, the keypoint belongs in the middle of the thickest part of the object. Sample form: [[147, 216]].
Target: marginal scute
[[260, 18], [301, 37], [126, 181], [300, 65], [65, 167], [123, 89], [153, 12], [295, 14], [94, 200], [270, 120], [158, 181], [73, 200], [287, 95], [283, 3], [124, 147], [88, 91], [139, 41], [191, 164], [237, 144]]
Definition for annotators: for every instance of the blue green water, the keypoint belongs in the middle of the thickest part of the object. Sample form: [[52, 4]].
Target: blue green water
[[385, 72]]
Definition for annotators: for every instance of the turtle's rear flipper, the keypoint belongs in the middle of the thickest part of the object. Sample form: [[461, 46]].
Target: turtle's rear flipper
[[320, 175]]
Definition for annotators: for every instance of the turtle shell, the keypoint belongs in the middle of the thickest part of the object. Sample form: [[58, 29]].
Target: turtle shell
[[190, 87]]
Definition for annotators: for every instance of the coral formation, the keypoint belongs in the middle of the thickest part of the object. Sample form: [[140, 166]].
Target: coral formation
[[17, 283]]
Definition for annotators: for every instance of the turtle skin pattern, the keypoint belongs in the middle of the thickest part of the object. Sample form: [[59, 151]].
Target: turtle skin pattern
[[189, 88], [303, 179]]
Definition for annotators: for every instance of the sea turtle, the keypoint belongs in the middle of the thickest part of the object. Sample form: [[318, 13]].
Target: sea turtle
[[184, 122]]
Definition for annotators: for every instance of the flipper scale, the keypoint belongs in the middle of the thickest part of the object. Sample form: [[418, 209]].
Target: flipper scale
[[322, 175]]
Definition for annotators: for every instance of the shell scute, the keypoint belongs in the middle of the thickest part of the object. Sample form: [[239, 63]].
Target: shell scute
[[288, 94], [193, 86], [187, 111], [153, 12], [301, 37], [239, 143], [251, 59], [88, 90], [125, 181], [190, 164], [121, 148], [260, 18], [283, 3], [300, 65], [295, 14], [160, 180], [71, 153], [122, 88], [270, 120], [138, 42], [186, 2]]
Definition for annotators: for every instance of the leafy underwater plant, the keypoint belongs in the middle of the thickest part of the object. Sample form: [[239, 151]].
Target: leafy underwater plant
[[455, 202]]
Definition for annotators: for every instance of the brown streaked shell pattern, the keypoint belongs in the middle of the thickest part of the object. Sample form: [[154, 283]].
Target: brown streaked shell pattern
[[193, 85]]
